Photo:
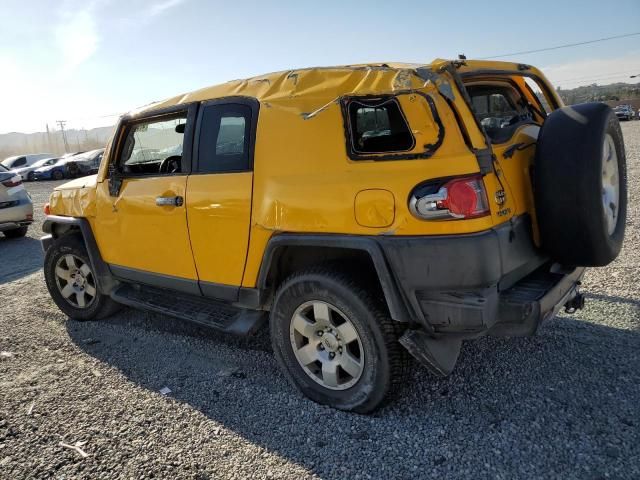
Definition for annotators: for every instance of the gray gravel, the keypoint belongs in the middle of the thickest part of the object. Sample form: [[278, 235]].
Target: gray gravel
[[565, 404]]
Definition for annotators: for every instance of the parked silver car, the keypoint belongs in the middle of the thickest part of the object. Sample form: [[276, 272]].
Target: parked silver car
[[16, 209]]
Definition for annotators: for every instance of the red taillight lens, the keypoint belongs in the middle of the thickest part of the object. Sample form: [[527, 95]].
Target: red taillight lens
[[466, 198], [12, 182], [458, 198], [47, 209]]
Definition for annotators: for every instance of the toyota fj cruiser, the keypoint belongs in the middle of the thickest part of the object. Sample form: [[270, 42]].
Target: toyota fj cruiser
[[367, 211]]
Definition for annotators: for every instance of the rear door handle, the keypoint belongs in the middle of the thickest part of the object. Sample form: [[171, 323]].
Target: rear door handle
[[176, 201]]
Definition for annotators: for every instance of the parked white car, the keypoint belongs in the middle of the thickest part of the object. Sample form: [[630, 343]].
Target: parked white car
[[20, 161]]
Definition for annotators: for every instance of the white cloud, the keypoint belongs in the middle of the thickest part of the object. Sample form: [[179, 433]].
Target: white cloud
[[77, 37], [600, 70], [160, 7]]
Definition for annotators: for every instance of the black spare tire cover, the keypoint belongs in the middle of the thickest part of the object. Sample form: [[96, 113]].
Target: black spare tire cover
[[580, 158]]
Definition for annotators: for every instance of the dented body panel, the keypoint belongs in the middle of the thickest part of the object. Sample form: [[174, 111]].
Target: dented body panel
[[304, 179]]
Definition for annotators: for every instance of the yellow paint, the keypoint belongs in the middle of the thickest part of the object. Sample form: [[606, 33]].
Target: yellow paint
[[132, 231], [303, 180], [374, 208], [219, 209]]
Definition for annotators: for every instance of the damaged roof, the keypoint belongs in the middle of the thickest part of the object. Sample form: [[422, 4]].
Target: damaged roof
[[326, 83]]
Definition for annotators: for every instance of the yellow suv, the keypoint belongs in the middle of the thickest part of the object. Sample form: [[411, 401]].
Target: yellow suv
[[367, 212]]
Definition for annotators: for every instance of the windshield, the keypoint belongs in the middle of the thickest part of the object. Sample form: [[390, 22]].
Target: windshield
[[3, 168], [44, 161]]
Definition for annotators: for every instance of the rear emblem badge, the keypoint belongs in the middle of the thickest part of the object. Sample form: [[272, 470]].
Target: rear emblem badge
[[501, 197]]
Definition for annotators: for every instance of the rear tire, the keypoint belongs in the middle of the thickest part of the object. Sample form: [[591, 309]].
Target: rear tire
[[16, 232], [359, 336], [30, 177], [71, 282], [580, 183]]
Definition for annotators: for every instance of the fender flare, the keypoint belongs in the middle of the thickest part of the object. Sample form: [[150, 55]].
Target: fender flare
[[395, 301], [104, 278]]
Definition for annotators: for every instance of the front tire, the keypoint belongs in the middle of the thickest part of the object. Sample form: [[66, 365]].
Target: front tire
[[30, 177], [71, 281], [335, 342], [57, 175]]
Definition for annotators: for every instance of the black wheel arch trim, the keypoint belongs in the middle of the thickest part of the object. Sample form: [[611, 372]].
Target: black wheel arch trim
[[104, 278], [394, 298]]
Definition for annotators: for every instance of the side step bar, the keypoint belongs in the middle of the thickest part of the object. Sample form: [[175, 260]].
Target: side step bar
[[210, 313]]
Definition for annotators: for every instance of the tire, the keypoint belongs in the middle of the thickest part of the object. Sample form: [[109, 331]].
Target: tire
[[30, 177], [57, 175], [573, 170], [383, 361], [16, 232], [97, 307]]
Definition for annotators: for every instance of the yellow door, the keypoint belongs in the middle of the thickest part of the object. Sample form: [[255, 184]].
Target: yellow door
[[142, 228], [219, 194]]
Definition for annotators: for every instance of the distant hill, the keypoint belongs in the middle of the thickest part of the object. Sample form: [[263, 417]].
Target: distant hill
[[15, 143], [612, 93]]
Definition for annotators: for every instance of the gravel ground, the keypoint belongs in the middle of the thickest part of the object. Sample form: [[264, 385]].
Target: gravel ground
[[564, 404]]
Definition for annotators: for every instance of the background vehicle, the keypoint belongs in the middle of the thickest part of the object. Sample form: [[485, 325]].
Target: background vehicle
[[88, 162], [16, 209], [26, 173], [68, 166], [624, 112], [19, 161], [368, 212]]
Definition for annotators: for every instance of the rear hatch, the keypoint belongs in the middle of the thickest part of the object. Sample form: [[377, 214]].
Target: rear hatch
[[510, 102]]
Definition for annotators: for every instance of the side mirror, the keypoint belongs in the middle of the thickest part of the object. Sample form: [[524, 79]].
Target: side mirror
[[115, 180]]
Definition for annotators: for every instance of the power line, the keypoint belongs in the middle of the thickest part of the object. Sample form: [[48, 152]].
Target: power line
[[557, 47]]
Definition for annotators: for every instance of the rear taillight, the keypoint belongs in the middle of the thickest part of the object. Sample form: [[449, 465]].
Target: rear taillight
[[13, 181], [456, 198], [46, 209]]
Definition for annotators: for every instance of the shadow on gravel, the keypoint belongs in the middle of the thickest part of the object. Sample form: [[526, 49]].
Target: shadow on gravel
[[19, 257], [535, 395]]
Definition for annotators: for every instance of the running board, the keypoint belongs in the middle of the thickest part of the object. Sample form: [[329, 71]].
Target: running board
[[203, 311]]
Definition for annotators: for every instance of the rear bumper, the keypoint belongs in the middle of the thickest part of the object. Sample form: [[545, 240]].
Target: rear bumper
[[467, 285], [16, 212]]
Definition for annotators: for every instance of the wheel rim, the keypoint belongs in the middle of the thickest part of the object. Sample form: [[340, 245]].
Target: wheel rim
[[75, 281], [610, 184], [326, 345]]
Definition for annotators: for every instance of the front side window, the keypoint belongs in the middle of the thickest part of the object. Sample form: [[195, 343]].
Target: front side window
[[223, 142], [378, 126], [154, 146]]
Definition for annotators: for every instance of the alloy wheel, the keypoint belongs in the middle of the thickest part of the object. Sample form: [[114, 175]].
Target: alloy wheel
[[327, 345], [75, 281]]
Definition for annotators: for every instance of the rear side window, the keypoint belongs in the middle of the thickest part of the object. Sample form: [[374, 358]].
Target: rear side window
[[377, 125], [18, 162], [223, 142]]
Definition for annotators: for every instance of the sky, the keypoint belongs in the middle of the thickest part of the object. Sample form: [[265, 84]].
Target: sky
[[87, 61]]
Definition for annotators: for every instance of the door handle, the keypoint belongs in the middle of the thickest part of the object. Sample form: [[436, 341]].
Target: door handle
[[176, 201]]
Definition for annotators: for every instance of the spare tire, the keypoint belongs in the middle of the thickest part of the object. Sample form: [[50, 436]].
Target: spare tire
[[580, 185]]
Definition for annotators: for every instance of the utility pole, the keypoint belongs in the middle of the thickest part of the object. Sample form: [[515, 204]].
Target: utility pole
[[61, 124], [49, 149]]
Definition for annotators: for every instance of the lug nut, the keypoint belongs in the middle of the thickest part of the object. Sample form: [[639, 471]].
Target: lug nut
[[320, 333], [331, 355], [321, 347]]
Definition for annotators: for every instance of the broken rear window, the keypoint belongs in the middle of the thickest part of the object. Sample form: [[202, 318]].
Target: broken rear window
[[378, 125]]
